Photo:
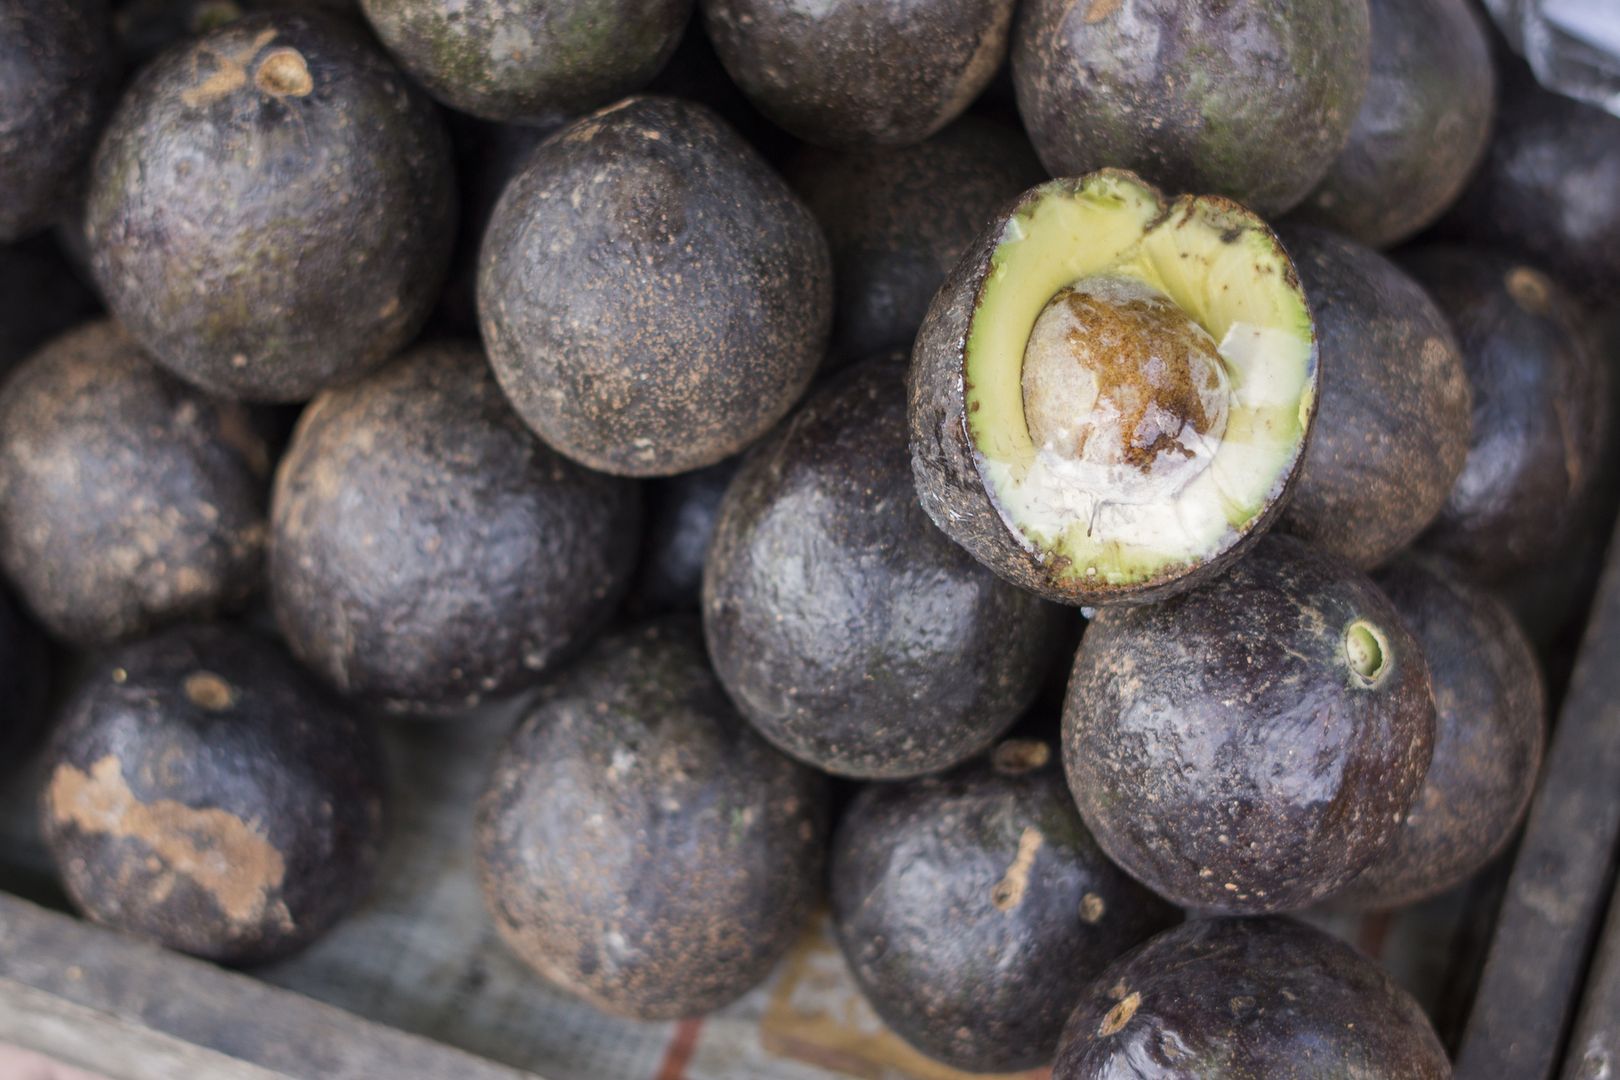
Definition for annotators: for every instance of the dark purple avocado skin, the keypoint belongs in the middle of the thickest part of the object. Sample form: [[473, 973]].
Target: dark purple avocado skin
[[1540, 408], [255, 747], [971, 953], [1248, 999], [638, 844], [850, 631], [1222, 750]]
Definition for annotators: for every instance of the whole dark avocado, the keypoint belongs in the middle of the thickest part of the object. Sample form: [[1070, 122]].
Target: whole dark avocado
[[128, 499], [41, 296], [24, 682], [1423, 127], [682, 512], [1540, 408], [427, 551], [529, 61], [898, 217], [639, 845], [1394, 415], [58, 74], [653, 296], [853, 72], [974, 907], [1490, 724], [272, 207], [1549, 188], [1250, 746], [204, 793], [851, 632], [1249, 100], [1245, 999]]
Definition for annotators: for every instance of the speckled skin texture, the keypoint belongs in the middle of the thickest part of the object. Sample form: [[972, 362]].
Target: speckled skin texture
[[1248, 999], [947, 477], [58, 72], [428, 551], [24, 681], [1222, 749], [974, 908], [529, 61], [898, 217], [40, 297], [853, 633], [681, 516], [853, 72], [127, 498], [1549, 188], [204, 793], [1423, 126], [639, 845], [1251, 99], [653, 297], [1490, 724], [1393, 420], [1540, 409], [272, 208]]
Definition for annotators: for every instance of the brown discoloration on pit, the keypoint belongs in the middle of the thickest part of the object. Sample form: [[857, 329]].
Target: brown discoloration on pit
[[1120, 1015], [1017, 756], [220, 853], [1009, 891], [226, 71], [284, 73], [208, 691], [1530, 289]]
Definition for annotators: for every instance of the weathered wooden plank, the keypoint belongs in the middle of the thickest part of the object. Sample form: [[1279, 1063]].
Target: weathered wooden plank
[[1527, 994], [128, 1009], [1594, 1049]]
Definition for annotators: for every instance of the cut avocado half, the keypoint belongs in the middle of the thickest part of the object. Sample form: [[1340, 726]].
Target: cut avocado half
[[1112, 392]]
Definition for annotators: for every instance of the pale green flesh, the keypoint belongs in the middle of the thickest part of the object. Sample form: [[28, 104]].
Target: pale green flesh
[[1221, 267]]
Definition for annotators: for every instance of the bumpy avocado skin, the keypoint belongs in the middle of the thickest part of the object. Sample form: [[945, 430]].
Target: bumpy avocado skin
[[428, 551], [974, 908], [639, 845], [40, 297], [205, 793], [1549, 188], [682, 512], [1423, 127], [24, 682], [272, 208], [851, 632], [653, 296], [128, 499], [854, 72], [1540, 411], [1249, 100], [58, 74], [1393, 417], [897, 218], [529, 61], [1490, 724], [1245, 999], [1221, 748]]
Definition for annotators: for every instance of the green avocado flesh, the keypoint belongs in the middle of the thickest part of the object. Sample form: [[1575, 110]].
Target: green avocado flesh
[[1166, 359]]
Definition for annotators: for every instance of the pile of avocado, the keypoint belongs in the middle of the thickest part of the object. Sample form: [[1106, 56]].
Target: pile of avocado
[[774, 433]]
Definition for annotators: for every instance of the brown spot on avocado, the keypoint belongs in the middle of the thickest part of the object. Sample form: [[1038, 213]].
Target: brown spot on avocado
[[229, 71], [284, 73], [1119, 1016], [208, 691], [1009, 891], [1529, 289], [1020, 756], [1102, 9], [1092, 908]]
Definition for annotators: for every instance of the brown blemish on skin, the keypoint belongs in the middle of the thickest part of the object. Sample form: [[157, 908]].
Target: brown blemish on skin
[[284, 73], [1009, 891], [1120, 1015], [1092, 908], [1102, 9], [229, 74], [1530, 289], [1017, 756], [218, 852], [208, 691]]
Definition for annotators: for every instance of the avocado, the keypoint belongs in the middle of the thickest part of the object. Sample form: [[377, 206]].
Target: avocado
[[1249, 100], [1423, 127], [898, 217], [529, 61], [848, 629], [24, 683], [1540, 408], [204, 793], [427, 551], [1245, 999], [854, 72], [682, 512], [41, 296], [1110, 395], [60, 75], [653, 297], [1549, 188], [974, 907], [1393, 422], [128, 499], [304, 198], [1490, 724], [1250, 746], [639, 845]]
